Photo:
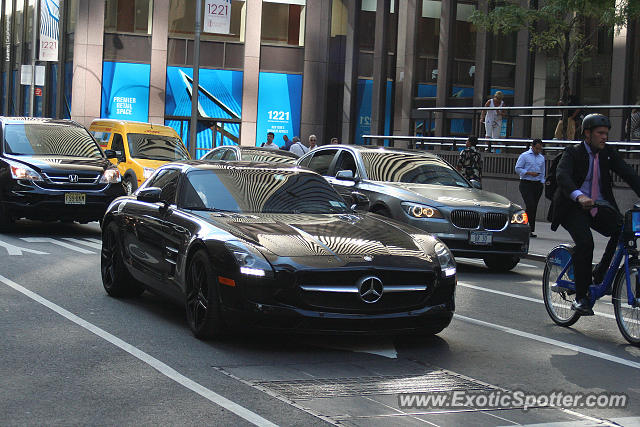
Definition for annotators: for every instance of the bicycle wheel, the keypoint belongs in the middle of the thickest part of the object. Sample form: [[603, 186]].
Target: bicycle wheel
[[558, 300], [627, 315]]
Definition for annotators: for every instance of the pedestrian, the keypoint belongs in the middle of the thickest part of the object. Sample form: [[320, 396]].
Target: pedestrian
[[270, 144], [470, 160], [298, 147], [287, 142], [572, 122], [492, 119], [334, 140], [313, 142], [531, 168]]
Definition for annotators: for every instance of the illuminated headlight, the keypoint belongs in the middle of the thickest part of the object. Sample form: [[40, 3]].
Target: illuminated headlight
[[250, 261], [445, 258], [520, 217], [20, 171], [110, 176], [147, 172], [420, 211]]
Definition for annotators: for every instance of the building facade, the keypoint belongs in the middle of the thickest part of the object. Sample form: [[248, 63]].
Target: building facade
[[333, 68]]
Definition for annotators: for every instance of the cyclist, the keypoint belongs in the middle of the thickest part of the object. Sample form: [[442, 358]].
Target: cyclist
[[583, 177]]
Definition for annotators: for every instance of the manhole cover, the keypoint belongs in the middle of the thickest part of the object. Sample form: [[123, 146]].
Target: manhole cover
[[436, 381]]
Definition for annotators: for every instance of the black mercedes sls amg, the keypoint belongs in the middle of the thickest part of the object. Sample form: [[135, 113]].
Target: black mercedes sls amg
[[255, 245]]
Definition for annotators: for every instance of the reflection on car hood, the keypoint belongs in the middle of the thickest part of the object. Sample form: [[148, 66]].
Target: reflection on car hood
[[321, 235], [49, 163], [455, 196]]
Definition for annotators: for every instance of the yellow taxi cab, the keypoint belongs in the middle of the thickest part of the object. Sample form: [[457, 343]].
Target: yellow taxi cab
[[140, 147]]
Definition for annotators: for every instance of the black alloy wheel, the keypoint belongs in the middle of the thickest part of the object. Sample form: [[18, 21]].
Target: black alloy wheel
[[202, 301], [130, 185], [116, 279]]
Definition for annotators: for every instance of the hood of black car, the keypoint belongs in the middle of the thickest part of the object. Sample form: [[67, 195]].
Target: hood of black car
[[50, 164], [322, 235], [455, 196]]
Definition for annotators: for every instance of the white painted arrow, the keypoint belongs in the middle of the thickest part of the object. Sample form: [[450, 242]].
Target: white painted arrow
[[56, 242], [17, 250]]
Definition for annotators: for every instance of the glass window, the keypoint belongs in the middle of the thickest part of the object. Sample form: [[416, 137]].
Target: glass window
[[128, 16], [283, 22], [214, 154], [156, 147], [118, 143], [182, 21], [260, 191], [269, 156], [635, 65], [464, 51], [46, 139], [167, 181], [428, 32], [101, 137], [321, 161], [346, 162]]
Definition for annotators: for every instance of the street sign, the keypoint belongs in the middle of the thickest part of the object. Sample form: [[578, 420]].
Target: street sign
[[38, 91], [217, 16], [25, 75]]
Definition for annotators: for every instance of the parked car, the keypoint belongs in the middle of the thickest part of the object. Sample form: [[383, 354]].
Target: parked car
[[140, 147], [424, 191], [53, 170], [255, 245], [250, 154]]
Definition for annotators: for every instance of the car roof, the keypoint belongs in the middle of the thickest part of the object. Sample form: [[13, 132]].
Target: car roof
[[377, 149], [283, 153], [242, 165], [38, 120]]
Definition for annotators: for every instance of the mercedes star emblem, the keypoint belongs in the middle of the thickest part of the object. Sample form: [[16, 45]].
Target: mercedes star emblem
[[370, 289]]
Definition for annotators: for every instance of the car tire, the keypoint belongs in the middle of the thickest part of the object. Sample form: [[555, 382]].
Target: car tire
[[116, 279], [501, 262], [130, 184], [434, 328], [202, 302], [5, 220]]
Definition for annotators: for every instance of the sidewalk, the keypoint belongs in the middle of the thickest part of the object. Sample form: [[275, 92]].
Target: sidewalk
[[540, 246]]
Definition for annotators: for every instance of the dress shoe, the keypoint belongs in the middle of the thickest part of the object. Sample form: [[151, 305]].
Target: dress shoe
[[582, 306]]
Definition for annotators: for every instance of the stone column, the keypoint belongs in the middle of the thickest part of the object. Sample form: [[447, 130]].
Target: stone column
[[87, 61], [158, 83], [349, 114], [621, 61], [408, 13], [379, 91], [316, 59], [253, 30], [445, 59]]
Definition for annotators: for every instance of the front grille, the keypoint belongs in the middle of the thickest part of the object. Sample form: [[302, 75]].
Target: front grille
[[85, 179], [465, 219], [494, 221]]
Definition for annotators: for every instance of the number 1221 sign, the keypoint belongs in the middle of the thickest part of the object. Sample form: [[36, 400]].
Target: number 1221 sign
[[217, 16]]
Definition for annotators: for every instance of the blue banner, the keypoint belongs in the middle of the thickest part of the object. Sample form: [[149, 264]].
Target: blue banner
[[363, 124], [125, 91], [279, 104]]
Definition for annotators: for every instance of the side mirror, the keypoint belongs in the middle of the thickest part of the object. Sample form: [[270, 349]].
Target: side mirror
[[111, 154], [149, 195], [360, 201], [346, 175], [476, 184]]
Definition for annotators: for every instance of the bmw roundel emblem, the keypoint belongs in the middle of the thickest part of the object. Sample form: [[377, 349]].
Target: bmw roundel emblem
[[370, 289]]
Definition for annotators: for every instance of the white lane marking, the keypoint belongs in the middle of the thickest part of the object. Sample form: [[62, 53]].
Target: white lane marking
[[93, 240], [159, 366], [536, 300], [17, 250], [550, 341], [84, 242], [56, 242]]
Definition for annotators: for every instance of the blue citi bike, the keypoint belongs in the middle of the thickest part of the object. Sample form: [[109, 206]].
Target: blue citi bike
[[621, 281]]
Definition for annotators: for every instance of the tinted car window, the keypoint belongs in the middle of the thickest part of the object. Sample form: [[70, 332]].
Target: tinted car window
[[214, 155], [269, 156], [346, 162], [156, 147], [118, 143], [49, 139], [260, 191], [321, 161], [167, 180], [411, 168]]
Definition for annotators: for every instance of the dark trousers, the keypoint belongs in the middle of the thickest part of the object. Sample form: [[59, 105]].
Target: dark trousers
[[579, 223], [531, 192]]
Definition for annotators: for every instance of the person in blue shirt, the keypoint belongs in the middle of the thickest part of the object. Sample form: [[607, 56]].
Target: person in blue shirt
[[531, 169]]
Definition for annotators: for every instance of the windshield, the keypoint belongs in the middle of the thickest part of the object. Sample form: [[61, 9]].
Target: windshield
[[39, 139], [260, 191], [410, 168], [268, 156], [156, 147]]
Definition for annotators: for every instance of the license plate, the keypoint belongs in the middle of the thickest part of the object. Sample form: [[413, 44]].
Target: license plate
[[480, 238], [75, 198]]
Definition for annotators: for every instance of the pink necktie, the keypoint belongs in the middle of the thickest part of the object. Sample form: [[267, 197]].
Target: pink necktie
[[595, 186]]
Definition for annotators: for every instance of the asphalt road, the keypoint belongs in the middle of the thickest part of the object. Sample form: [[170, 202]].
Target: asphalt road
[[71, 355]]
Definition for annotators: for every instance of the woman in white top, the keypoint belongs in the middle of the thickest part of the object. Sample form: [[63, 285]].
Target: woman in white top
[[493, 118]]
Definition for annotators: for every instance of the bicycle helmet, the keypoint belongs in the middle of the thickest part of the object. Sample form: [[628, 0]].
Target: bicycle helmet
[[594, 121]]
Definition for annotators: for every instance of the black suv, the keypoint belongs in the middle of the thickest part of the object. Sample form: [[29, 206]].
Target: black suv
[[53, 170]]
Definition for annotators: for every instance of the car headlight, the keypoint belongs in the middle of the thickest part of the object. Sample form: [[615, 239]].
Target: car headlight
[[249, 259], [416, 210], [20, 171], [110, 176], [445, 258], [520, 217], [147, 172]]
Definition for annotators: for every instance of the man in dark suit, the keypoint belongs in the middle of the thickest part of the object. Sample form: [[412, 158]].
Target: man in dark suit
[[583, 177]]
